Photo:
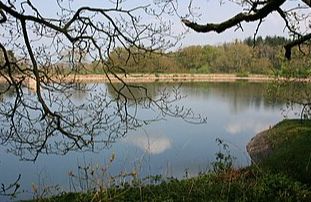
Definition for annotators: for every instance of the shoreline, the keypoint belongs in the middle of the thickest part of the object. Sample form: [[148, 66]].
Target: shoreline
[[259, 147], [150, 78], [168, 78]]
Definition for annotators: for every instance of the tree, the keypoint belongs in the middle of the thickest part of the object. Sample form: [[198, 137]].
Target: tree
[[192, 57], [294, 19], [50, 120], [257, 11]]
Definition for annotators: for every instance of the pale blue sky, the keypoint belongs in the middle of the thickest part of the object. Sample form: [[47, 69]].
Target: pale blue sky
[[211, 12]]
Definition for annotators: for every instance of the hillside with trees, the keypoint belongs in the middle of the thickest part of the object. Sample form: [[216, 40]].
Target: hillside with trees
[[264, 55]]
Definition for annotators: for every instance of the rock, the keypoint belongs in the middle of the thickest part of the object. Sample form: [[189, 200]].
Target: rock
[[259, 147]]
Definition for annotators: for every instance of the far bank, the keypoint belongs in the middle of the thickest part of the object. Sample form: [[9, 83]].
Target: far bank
[[150, 78]]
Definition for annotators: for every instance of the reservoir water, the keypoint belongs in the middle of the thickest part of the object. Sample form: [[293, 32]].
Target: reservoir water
[[234, 111]]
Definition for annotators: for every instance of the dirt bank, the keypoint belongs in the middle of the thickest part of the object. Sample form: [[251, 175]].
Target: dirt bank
[[149, 78], [259, 147]]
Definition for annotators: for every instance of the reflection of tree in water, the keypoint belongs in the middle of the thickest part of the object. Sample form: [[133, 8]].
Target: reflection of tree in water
[[81, 90], [138, 92], [55, 118], [114, 108], [240, 95], [101, 114], [5, 91], [296, 96]]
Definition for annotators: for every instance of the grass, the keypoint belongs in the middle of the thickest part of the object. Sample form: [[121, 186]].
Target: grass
[[242, 74], [283, 176], [291, 145], [231, 185]]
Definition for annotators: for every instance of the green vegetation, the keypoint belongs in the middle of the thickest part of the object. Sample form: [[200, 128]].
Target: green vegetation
[[262, 56], [232, 185], [291, 140], [12, 59], [283, 176]]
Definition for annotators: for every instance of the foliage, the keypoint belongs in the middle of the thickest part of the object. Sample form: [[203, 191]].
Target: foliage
[[11, 59], [224, 160], [240, 57], [293, 16], [296, 95], [232, 185], [135, 60], [242, 74]]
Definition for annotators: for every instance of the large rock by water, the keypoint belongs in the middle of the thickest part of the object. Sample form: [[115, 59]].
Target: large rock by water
[[259, 147]]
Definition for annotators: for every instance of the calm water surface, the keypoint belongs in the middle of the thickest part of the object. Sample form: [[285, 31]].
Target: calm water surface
[[235, 113]]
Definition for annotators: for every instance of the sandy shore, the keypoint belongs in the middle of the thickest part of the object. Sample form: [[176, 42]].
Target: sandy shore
[[149, 78]]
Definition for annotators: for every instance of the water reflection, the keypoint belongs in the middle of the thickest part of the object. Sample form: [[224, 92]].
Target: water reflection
[[6, 92], [235, 113], [134, 92], [150, 143], [237, 127], [241, 95]]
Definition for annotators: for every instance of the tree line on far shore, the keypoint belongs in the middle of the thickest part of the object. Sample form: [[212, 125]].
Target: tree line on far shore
[[264, 55], [259, 56]]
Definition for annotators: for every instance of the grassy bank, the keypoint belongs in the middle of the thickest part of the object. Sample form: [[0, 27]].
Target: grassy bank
[[283, 176], [243, 185], [291, 145]]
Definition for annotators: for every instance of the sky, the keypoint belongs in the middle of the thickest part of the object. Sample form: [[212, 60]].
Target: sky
[[210, 11], [213, 12]]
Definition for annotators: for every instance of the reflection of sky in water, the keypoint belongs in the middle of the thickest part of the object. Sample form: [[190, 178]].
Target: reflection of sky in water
[[235, 113], [151, 144]]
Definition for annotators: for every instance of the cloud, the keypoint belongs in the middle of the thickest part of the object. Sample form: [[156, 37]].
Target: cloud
[[242, 126], [152, 144]]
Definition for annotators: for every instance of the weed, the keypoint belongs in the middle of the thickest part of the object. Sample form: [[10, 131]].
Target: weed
[[224, 160]]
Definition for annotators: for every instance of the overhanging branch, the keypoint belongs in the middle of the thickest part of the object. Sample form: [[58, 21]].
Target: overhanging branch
[[288, 47], [237, 19]]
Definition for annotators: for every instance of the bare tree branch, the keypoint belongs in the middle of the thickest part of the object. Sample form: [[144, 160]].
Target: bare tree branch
[[237, 19], [288, 47], [50, 51], [258, 11]]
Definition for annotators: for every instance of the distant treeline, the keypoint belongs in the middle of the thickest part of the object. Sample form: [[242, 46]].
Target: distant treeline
[[264, 55], [259, 56]]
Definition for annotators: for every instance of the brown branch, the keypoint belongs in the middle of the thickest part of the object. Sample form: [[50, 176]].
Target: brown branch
[[46, 109], [35, 69], [237, 19], [42, 21], [288, 47], [12, 188], [34, 122], [258, 14]]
